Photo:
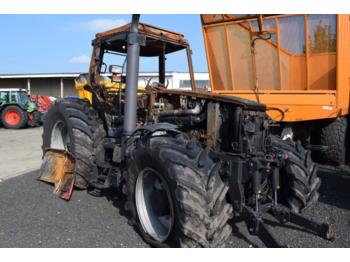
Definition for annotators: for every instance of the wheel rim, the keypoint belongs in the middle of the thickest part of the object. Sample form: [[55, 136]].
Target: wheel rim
[[154, 204], [12, 117], [59, 136]]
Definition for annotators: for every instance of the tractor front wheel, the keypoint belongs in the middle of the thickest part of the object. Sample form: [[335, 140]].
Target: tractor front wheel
[[13, 117], [74, 125]]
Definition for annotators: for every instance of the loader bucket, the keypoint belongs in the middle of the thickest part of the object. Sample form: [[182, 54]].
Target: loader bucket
[[58, 168]]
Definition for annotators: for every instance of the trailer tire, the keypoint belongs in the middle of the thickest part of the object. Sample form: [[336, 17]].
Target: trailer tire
[[85, 133], [195, 192], [299, 180], [14, 117], [334, 135]]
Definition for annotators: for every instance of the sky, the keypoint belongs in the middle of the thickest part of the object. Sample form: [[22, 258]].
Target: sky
[[62, 43]]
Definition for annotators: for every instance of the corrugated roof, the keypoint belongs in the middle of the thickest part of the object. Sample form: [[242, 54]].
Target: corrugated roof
[[40, 75], [72, 75]]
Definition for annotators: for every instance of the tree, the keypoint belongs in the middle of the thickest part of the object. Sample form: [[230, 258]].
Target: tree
[[323, 40]]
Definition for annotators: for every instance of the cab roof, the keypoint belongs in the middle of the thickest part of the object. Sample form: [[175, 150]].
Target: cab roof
[[155, 40]]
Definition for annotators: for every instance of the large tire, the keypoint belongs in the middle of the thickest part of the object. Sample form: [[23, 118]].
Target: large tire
[[299, 180], [85, 133], [334, 135], [197, 192], [13, 117]]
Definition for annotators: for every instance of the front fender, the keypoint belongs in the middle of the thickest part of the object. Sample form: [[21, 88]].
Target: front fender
[[23, 107]]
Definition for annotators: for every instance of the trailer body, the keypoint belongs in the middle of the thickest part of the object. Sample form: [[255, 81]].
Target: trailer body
[[301, 72]]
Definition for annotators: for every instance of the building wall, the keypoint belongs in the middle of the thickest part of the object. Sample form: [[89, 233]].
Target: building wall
[[13, 83], [69, 88], [42, 86], [183, 80], [45, 86], [51, 86]]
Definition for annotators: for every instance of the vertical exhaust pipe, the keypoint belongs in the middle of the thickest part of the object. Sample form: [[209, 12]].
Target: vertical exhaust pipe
[[132, 73]]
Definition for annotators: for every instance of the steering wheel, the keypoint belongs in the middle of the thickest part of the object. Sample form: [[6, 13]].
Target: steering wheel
[[148, 83], [156, 84]]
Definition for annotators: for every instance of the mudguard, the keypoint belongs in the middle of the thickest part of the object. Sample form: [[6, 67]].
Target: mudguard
[[159, 127], [58, 168]]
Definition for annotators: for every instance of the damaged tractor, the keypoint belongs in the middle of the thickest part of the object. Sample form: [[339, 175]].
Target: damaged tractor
[[186, 161]]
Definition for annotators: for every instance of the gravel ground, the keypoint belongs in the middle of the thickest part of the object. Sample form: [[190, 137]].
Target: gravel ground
[[333, 207], [30, 216]]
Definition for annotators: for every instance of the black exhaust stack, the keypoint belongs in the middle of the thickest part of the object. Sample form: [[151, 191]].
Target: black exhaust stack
[[132, 73]]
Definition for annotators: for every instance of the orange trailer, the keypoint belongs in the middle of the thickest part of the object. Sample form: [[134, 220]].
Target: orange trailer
[[298, 65]]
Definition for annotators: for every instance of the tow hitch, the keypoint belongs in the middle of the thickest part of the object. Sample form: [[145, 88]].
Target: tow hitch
[[258, 227]]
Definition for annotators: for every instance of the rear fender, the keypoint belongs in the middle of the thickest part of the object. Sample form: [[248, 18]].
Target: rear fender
[[153, 128], [58, 168], [23, 107], [147, 131]]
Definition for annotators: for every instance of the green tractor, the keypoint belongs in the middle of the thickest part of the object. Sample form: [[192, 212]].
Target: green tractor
[[16, 109]]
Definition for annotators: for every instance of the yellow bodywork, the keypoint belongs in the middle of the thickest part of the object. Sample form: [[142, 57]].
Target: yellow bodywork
[[83, 94], [112, 88]]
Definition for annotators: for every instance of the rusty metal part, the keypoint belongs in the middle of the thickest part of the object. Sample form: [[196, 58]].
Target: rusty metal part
[[210, 19], [180, 112], [212, 97], [149, 30], [155, 42], [190, 68], [213, 125], [58, 168], [200, 135]]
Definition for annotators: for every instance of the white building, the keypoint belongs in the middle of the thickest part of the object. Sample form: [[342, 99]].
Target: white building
[[62, 84], [177, 79]]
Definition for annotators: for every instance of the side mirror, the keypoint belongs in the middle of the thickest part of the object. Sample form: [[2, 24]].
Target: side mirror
[[82, 78], [115, 69]]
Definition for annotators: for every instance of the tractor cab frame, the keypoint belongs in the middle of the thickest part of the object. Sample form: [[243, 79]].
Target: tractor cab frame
[[153, 42]]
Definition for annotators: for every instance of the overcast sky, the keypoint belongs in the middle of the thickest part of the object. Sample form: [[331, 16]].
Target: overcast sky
[[62, 43]]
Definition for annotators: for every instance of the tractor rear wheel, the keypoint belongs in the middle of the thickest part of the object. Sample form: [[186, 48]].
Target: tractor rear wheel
[[74, 125], [299, 180], [175, 194], [13, 117]]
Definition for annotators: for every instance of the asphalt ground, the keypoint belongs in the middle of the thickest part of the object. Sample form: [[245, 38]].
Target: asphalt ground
[[30, 216]]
